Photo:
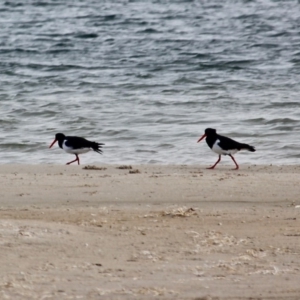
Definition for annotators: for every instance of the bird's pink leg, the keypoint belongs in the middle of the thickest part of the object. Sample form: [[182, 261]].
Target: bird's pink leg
[[212, 167], [237, 166], [77, 159]]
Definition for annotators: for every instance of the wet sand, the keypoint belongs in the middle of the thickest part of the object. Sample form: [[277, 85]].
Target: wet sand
[[149, 232]]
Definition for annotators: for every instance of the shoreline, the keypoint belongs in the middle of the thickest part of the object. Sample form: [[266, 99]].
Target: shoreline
[[165, 231]]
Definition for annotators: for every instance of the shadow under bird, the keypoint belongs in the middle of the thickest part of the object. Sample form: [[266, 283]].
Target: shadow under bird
[[76, 145], [223, 145]]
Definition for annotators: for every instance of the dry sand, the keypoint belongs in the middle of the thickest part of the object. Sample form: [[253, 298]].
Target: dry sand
[[162, 232]]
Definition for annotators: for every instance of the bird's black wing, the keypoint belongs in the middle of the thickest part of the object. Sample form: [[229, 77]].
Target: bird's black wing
[[77, 142], [227, 143]]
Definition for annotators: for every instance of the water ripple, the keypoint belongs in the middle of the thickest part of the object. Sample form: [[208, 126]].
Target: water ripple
[[147, 78]]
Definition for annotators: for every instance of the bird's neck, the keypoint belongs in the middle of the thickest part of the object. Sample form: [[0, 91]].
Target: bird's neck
[[60, 143], [211, 139]]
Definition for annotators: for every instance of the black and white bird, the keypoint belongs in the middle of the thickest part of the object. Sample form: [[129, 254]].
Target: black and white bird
[[223, 145], [76, 145]]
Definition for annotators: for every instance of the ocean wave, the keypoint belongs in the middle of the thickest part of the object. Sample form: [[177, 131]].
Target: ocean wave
[[149, 76], [282, 121]]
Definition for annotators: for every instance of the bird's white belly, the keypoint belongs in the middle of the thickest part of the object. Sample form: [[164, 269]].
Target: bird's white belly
[[75, 151], [217, 149]]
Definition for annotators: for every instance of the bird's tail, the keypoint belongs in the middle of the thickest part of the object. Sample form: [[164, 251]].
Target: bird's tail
[[97, 147], [247, 147]]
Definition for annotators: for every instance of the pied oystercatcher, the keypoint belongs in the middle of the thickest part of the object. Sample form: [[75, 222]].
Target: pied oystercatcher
[[76, 145], [223, 145]]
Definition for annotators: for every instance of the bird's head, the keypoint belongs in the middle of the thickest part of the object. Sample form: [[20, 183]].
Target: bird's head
[[58, 137], [208, 132]]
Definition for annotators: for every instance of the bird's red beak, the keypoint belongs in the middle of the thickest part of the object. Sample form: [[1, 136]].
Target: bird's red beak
[[202, 137], [53, 143]]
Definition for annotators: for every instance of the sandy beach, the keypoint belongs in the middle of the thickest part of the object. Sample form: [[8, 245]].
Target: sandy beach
[[149, 232]]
